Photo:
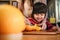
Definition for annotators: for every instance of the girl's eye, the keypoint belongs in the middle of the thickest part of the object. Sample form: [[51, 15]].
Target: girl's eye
[[37, 14], [42, 14]]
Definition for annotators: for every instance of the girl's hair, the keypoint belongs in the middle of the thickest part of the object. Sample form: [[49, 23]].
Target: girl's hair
[[39, 8]]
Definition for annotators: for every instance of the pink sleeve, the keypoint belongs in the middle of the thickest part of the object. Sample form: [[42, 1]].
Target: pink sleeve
[[49, 25]]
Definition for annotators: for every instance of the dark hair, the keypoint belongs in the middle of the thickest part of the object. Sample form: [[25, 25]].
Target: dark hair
[[39, 8]]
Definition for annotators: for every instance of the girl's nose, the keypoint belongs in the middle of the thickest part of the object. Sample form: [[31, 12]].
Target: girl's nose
[[39, 16]]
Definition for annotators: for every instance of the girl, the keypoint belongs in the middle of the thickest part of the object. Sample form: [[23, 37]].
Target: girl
[[39, 17]]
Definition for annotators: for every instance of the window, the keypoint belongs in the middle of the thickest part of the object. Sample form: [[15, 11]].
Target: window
[[15, 3]]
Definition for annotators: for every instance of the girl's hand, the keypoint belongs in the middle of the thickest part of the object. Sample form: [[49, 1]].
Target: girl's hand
[[54, 28]]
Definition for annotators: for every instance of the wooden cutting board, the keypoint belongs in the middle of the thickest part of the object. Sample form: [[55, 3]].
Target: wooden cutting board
[[38, 32]]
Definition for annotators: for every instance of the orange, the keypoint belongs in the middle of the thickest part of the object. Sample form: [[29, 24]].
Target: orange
[[33, 27], [29, 27], [37, 28], [11, 20]]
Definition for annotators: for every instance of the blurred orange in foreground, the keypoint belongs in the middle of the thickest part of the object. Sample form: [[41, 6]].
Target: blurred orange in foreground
[[11, 20]]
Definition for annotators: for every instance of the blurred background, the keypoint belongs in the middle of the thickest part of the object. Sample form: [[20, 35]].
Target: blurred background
[[26, 7]]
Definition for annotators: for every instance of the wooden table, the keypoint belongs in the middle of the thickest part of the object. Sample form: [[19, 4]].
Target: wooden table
[[41, 35]]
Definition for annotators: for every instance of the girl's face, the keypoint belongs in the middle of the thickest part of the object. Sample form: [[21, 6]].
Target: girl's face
[[39, 17]]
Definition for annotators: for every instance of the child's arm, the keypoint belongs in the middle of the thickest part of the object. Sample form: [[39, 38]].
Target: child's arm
[[51, 27], [27, 22]]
